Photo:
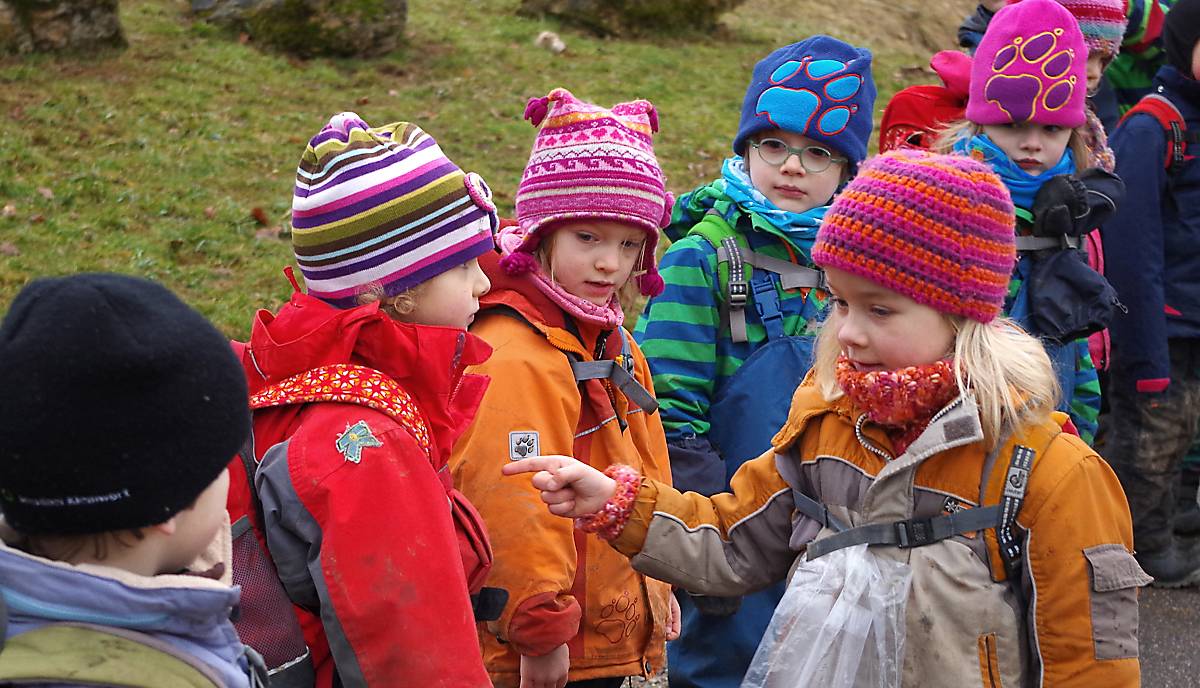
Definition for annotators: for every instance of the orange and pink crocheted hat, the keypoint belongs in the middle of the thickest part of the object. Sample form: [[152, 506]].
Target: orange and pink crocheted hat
[[935, 228]]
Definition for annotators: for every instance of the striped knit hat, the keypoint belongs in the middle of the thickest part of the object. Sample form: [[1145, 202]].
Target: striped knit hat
[[1102, 23], [383, 206], [936, 228], [590, 162]]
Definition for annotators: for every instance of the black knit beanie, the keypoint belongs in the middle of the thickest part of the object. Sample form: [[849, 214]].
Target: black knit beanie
[[1181, 32], [119, 405]]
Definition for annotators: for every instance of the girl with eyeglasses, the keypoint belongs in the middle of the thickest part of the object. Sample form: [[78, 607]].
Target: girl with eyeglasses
[[732, 334]]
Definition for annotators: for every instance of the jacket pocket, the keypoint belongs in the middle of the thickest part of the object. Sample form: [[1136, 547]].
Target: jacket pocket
[[989, 663], [1115, 577]]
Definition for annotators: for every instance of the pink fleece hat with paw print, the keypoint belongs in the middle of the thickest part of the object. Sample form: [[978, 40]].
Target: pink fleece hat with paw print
[[1031, 66], [589, 162]]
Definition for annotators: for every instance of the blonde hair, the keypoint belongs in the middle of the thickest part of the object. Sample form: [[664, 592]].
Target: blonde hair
[[946, 138], [1006, 370], [398, 306]]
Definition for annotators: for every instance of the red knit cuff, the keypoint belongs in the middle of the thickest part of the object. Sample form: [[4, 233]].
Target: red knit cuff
[[610, 520]]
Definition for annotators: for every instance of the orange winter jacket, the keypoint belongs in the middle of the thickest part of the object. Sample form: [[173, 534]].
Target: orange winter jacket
[[1070, 620], [564, 586]]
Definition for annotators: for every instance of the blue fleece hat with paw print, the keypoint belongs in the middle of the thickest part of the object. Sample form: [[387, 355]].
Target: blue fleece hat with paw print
[[820, 88]]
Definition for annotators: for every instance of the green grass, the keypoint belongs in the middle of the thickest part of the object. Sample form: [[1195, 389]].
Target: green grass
[[150, 161]]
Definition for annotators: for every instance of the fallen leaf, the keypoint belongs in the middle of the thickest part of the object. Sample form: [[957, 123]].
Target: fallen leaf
[[260, 216], [45, 193], [267, 233], [9, 249], [363, 101], [9, 210], [243, 38], [210, 212], [393, 92], [37, 219]]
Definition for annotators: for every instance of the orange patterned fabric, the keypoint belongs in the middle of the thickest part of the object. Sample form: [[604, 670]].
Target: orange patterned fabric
[[349, 384]]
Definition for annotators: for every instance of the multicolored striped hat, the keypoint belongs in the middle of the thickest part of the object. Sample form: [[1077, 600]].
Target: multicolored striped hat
[[383, 206], [590, 162], [1102, 23], [936, 228]]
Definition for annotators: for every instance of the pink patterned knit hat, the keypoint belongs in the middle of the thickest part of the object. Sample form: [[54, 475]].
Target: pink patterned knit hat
[[936, 228], [1031, 66], [590, 162], [1102, 23]]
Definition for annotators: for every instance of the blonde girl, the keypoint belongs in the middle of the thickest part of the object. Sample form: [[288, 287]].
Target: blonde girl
[[927, 417], [566, 378]]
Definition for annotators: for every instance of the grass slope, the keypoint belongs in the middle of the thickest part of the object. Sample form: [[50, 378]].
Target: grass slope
[[153, 160]]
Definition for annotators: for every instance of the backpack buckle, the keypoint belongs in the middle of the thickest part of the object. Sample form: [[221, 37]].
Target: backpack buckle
[[914, 533], [738, 292]]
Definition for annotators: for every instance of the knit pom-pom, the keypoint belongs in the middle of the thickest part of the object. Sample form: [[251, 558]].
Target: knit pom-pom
[[518, 263], [652, 113], [668, 206], [536, 109], [343, 122], [651, 284]]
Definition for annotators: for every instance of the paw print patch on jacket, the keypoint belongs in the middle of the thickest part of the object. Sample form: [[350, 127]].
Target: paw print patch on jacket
[[816, 96], [1015, 84]]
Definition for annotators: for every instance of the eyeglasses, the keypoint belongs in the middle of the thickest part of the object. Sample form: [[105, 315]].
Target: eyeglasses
[[813, 159]]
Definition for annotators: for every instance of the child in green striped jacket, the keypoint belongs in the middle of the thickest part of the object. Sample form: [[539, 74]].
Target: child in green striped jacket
[[731, 335]]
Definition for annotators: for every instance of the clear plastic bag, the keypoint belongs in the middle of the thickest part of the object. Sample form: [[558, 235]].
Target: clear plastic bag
[[839, 625]]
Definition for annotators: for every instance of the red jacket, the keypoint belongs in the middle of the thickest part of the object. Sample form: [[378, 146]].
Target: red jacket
[[356, 415]]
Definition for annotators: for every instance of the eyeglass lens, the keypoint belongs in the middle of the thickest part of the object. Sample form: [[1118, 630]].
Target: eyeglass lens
[[813, 158]]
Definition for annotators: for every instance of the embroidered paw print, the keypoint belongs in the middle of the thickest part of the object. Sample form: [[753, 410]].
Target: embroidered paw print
[[618, 618], [797, 107], [1028, 74]]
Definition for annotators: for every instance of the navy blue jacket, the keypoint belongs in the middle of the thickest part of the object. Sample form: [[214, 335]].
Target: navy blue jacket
[[1152, 244]]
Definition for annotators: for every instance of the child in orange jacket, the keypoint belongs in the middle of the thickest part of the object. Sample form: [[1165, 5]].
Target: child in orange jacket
[[568, 379]]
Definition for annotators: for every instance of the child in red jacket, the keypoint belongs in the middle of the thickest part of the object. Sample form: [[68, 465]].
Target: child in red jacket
[[359, 395]]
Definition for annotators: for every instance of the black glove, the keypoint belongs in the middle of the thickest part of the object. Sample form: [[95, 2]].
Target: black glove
[[1059, 205]]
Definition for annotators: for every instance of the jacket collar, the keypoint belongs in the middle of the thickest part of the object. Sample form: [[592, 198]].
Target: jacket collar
[[1176, 82], [520, 294], [955, 425], [428, 362]]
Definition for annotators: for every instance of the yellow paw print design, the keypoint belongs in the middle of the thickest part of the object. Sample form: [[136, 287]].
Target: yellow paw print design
[[1031, 74]]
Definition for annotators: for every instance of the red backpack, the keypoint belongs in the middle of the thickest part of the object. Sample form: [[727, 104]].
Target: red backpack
[[1171, 119], [915, 115]]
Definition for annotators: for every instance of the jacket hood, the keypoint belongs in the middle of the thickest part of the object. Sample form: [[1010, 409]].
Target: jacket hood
[[189, 612], [427, 361]]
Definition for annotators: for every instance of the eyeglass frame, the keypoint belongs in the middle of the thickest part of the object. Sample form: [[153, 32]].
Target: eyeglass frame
[[799, 153]]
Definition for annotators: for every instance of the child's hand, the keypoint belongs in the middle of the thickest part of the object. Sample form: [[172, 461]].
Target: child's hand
[[674, 619], [548, 671], [570, 488]]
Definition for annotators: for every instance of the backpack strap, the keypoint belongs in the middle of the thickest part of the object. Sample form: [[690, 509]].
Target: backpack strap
[[619, 372], [1171, 119], [88, 655], [1036, 243], [735, 263], [918, 532]]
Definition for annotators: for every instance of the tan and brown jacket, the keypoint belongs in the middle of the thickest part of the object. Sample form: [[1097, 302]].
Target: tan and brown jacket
[[1071, 619]]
